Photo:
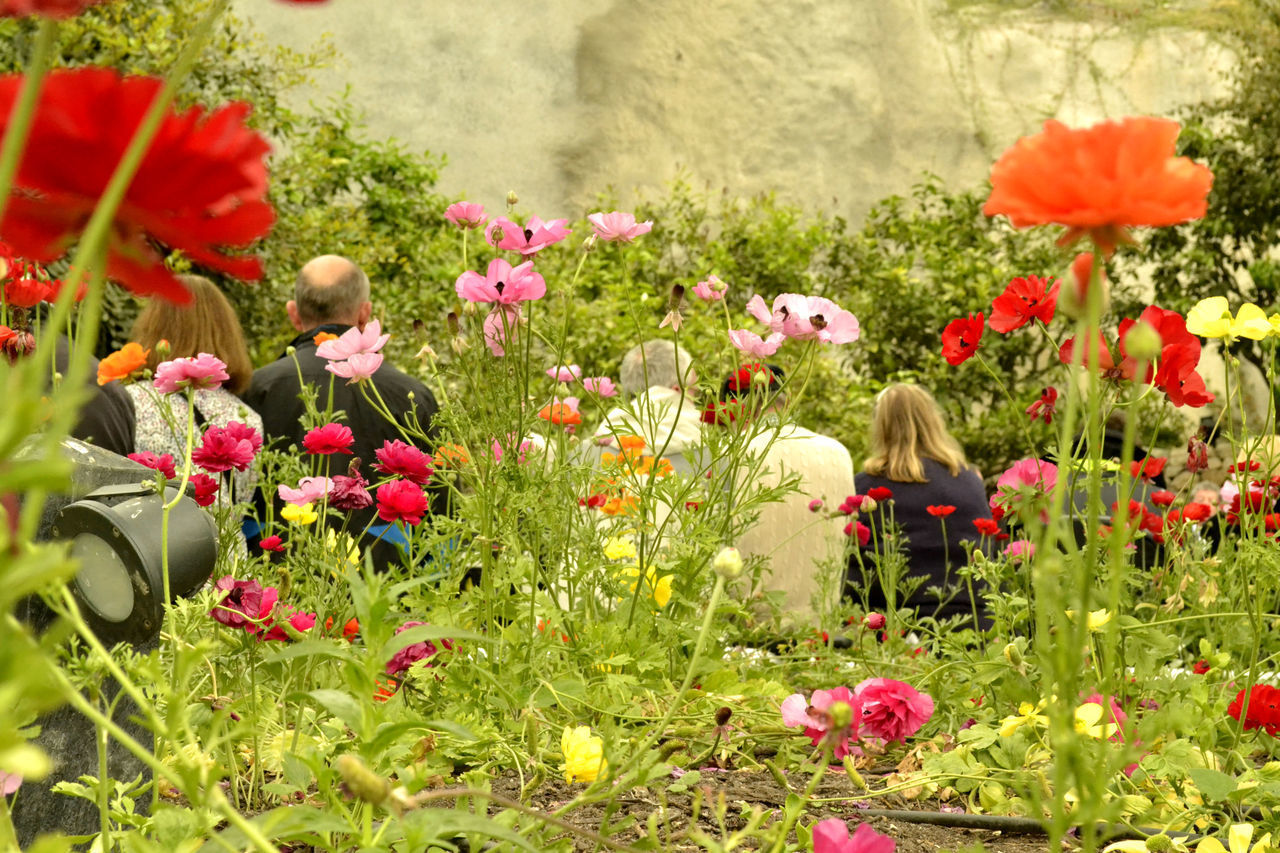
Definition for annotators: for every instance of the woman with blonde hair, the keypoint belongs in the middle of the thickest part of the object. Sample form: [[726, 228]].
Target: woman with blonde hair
[[929, 494], [207, 324]]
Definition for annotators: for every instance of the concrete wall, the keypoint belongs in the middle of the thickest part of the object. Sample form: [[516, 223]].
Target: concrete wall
[[834, 103]]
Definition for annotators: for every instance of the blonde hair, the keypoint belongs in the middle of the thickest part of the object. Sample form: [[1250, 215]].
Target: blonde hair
[[906, 427], [208, 324]]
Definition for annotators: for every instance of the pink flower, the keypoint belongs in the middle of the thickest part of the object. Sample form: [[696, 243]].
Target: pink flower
[[414, 652], [816, 505], [328, 439], [465, 214], [874, 621], [401, 500], [1019, 549], [300, 622], [310, 490], [203, 371], [600, 385], [857, 528], [711, 290], [1025, 475], [350, 491], [205, 489], [499, 325], [244, 604], [893, 710], [812, 714], [832, 836], [501, 283], [9, 783], [223, 448], [529, 240], [358, 367], [565, 374], [272, 543], [521, 451], [244, 432], [806, 318], [397, 459], [162, 463], [353, 342], [618, 226], [753, 344]]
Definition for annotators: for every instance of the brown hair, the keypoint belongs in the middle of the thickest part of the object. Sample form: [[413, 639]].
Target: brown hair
[[906, 426], [209, 324]]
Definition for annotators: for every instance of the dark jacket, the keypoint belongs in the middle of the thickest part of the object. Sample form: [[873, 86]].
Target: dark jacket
[[929, 553], [274, 393]]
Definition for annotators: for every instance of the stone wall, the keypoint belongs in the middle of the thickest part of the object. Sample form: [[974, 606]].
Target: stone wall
[[834, 103]]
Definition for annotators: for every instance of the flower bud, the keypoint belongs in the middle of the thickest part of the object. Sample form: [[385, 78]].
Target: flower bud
[[873, 621], [868, 505], [512, 198], [728, 563], [455, 326], [470, 309], [815, 505], [676, 298], [1159, 843], [362, 782], [841, 716], [163, 348], [1072, 299], [589, 243], [723, 715], [1143, 342], [1013, 654]]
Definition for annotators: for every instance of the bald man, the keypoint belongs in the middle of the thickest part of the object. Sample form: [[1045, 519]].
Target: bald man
[[331, 295]]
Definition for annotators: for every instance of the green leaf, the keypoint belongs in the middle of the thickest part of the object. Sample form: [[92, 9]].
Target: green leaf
[[424, 634], [342, 705], [1214, 784], [311, 648]]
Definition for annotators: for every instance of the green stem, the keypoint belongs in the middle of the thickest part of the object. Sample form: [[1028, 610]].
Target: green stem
[[792, 815]]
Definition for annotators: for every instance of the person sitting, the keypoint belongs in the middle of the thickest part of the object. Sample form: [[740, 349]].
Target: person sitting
[[209, 325], [919, 465], [796, 544], [331, 296]]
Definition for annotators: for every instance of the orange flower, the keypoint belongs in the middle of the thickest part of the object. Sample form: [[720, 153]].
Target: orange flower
[[624, 504], [321, 337], [560, 414], [451, 455], [631, 443], [1100, 181], [121, 363]]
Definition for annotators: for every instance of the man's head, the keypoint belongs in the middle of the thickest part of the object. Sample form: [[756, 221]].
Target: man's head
[[656, 362], [330, 289]]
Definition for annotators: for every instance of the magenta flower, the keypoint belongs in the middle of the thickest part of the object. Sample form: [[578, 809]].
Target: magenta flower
[[353, 342], [832, 836], [222, 449], [245, 604], [358, 367], [812, 714], [711, 290], [244, 432], [401, 500], [499, 325], [203, 371], [162, 463], [1024, 480], [465, 214], [397, 459], [571, 373], [521, 450], [529, 240], [501, 283], [753, 344], [271, 543], [806, 318], [310, 490], [205, 489], [414, 652], [893, 710], [300, 622], [1019, 549], [328, 439], [618, 226], [9, 783], [350, 491], [601, 385]]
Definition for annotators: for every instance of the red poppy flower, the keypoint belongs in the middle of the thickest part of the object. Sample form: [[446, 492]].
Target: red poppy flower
[[1201, 667], [1046, 406], [1196, 512], [200, 187], [1163, 498], [1024, 300], [960, 338], [25, 292], [44, 8], [987, 526], [1263, 711], [1147, 468], [1179, 357], [1249, 465], [879, 494], [1100, 181], [1126, 369], [940, 511]]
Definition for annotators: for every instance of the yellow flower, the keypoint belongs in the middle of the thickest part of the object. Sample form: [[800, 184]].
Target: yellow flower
[[340, 548], [1211, 318], [620, 548], [1028, 714], [1238, 837], [1089, 721], [583, 755], [658, 587], [1097, 620], [298, 514]]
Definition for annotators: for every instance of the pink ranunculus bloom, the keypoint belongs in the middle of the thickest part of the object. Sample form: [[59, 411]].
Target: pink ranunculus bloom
[[465, 214], [162, 463], [401, 500], [328, 439], [812, 714], [244, 604], [415, 652], [832, 836], [601, 385], [502, 283], [806, 318], [753, 344], [205, 489], [222, 449], [397, 459], [271, 543], [499, 325], [354, 341], [535, 236], [1034, 475], [1020, 549], [300, 622], [243, 432], [9, 783], [359, 367], [893, 710], [618, 226], [563, 373], [711, 290], [202, 371], [310, 490]]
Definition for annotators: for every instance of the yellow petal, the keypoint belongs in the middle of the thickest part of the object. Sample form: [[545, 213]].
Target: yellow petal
[[1210, 318], [1210, 845], [1250, 322], [1239, 836]]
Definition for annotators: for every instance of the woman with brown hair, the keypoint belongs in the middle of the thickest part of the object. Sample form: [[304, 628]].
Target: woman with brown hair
[[208, 324], [929, 499]]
